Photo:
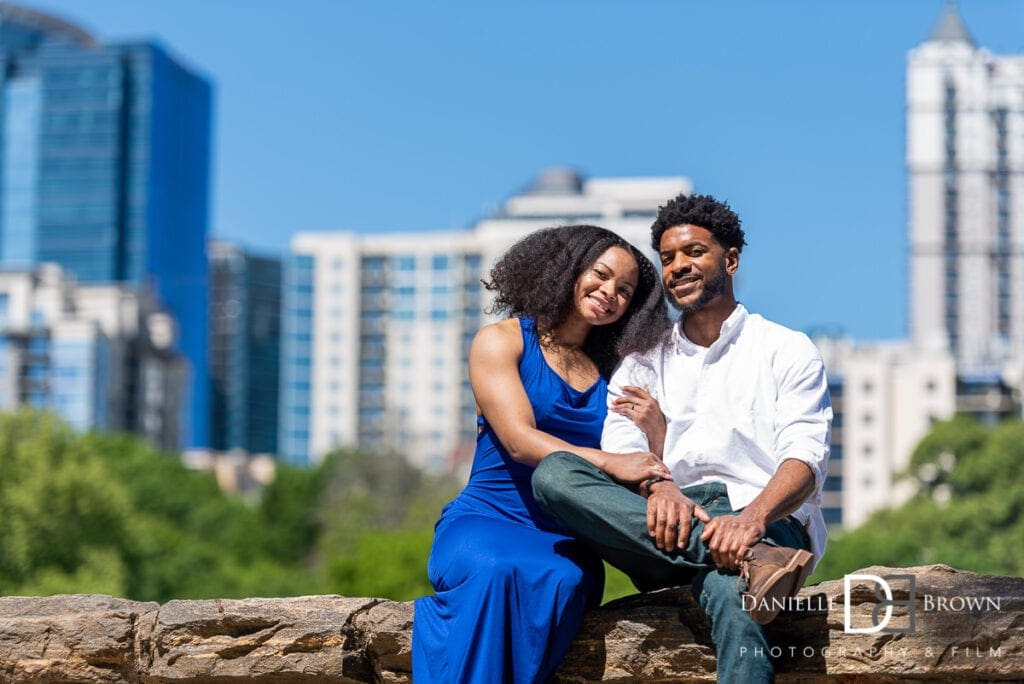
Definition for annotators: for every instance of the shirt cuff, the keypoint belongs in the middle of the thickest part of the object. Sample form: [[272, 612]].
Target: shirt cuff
[[815, 462]]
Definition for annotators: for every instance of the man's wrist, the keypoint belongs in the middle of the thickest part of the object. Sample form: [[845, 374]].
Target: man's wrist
[[755, 514], [654, 484]]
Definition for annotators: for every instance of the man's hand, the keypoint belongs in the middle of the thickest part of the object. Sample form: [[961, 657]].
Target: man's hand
[[730, 536], [670, 515], [634, 468]]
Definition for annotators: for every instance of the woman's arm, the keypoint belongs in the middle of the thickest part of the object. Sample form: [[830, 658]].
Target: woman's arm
[[494, 374]]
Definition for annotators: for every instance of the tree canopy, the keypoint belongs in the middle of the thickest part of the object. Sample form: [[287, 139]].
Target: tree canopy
[[967, 512], [107, 514]]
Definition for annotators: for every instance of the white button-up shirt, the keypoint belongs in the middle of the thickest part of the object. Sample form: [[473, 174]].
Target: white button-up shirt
[[735, 410]]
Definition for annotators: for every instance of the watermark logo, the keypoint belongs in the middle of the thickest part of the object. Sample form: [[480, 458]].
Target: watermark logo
[[884, 594]]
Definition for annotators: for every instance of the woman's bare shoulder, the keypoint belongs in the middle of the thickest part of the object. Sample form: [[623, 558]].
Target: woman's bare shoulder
[[503, 337]]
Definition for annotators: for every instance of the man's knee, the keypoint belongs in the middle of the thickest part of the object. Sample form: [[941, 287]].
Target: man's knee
[[553, 479]]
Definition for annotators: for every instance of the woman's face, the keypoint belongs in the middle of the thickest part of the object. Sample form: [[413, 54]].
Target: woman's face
[[604, 290]]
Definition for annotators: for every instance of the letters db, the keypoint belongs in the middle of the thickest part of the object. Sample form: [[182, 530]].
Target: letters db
[[884, 594]]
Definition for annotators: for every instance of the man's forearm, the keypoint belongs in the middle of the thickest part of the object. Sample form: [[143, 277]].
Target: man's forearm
[[787, 490]]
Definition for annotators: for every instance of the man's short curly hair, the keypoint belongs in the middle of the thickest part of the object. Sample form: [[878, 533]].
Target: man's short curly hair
[[536, 278], [699, 210]]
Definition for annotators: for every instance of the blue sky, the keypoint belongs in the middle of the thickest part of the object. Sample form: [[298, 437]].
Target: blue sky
[[424, 116]]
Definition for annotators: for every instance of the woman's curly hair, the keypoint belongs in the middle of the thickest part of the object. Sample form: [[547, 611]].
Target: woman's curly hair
[[536, 278]]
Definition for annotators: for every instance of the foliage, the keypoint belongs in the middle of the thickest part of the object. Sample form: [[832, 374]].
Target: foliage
[[64, 521], [380, 548], [108, 514], [968, 512], [616, 584]]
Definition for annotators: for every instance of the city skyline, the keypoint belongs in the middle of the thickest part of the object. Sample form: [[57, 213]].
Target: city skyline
[[434, 122], [105, 171]]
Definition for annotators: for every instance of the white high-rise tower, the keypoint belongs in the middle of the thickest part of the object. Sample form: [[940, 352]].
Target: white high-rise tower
[[965, 158]]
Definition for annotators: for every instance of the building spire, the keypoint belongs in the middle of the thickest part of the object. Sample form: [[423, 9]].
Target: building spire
[[950, 28]]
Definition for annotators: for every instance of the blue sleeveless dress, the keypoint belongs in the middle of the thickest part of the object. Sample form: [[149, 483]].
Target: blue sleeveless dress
[[511, 586]]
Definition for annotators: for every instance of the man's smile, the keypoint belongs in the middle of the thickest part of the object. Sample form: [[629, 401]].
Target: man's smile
[[681, 286]]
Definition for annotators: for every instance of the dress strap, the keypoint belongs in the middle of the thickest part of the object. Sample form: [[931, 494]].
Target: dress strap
[[531, 343]]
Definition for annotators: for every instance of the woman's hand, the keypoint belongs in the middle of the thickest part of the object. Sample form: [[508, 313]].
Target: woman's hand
[[634, 468], [638, 405]]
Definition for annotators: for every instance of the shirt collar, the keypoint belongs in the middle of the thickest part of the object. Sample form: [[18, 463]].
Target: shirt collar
[[730, 329]]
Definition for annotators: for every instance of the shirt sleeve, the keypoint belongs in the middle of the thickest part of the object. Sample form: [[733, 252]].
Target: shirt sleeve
[[803, 418], [620, 434]]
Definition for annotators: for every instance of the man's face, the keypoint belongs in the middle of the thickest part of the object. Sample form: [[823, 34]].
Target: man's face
[[695, 268]]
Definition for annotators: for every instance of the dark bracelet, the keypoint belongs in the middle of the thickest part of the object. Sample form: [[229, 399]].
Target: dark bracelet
[[645, 486]]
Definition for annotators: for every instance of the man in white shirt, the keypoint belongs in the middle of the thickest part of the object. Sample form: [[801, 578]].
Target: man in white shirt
[[745, 435]]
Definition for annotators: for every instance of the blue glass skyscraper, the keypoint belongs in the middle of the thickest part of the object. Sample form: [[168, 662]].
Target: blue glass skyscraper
[[245, 348], [104, 169]]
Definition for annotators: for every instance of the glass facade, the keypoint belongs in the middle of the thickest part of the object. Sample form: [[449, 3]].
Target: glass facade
[[832, 507], [951, 219], [376, 296], [62, 374], [22, 105], [245, 306], [106, 171], [78, 394], [296, 360]]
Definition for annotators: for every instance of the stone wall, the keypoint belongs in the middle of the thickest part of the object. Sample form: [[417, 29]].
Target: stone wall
[[656, 637]]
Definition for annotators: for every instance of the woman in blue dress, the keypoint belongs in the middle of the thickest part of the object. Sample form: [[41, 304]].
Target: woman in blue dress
[[511, 587]]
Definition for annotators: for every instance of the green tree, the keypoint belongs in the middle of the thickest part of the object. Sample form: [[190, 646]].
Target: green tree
[[108, 514], [379, 514], [968, 512], [287, 514], [64, 521]]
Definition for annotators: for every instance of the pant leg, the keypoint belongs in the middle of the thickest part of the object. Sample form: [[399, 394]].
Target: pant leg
[[613, 521], [740, 643]]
